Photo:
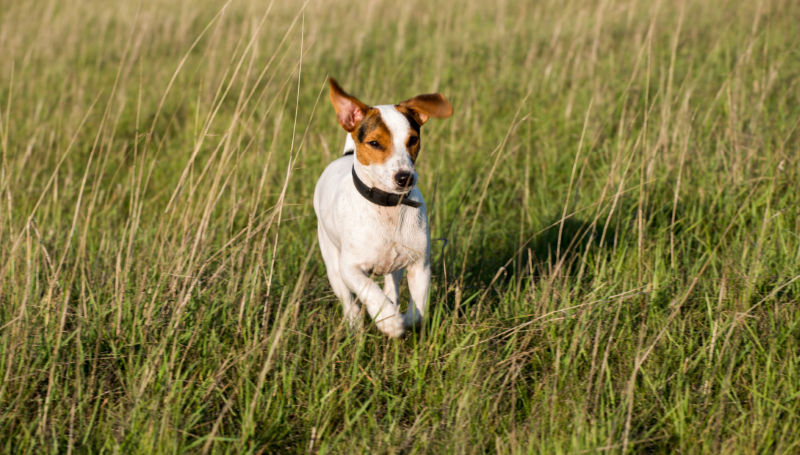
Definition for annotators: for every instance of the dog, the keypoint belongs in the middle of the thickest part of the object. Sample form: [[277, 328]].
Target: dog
[[371, 217]]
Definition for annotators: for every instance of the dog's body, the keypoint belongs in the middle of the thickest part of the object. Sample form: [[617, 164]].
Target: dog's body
[[372, 219]]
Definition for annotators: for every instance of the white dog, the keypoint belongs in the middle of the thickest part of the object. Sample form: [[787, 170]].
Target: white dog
[[371, 218]]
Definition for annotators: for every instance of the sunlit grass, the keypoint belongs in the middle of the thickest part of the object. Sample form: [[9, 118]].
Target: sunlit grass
[[614, 207]]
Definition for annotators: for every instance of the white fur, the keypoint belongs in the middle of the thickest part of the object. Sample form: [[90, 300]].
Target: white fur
[[358, 238]]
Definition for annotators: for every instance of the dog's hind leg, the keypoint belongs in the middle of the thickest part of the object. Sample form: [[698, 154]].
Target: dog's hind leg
[[391, 285], [330, 254]]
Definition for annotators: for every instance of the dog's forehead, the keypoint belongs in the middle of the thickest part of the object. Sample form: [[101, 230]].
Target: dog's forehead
[[395, 121]]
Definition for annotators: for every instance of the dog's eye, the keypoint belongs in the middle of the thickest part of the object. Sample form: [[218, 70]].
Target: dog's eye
[[374, 144], [412, 141]]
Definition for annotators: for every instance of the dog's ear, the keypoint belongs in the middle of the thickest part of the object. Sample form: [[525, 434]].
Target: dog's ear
[[349, 110], [427, 106]]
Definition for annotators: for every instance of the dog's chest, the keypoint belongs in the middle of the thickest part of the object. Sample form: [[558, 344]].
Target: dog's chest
[[400, 238]]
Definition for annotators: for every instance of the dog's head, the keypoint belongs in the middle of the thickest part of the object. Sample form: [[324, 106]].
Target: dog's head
[[387, 137]]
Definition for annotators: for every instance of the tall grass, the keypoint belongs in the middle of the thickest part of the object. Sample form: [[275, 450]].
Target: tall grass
[[614, 206]]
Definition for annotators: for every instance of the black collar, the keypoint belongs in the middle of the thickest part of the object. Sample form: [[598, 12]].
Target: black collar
[[381, 197]]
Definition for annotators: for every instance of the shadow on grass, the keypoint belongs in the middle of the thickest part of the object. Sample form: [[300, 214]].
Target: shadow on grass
[[504, 256]]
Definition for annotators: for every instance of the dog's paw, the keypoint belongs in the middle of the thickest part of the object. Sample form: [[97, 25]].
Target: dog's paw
[[392, 326]]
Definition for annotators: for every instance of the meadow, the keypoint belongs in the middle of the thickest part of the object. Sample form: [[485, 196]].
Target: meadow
[[614, 208]]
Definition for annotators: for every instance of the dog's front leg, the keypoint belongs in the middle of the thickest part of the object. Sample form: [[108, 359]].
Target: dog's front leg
[[383, 311], [419, 279]]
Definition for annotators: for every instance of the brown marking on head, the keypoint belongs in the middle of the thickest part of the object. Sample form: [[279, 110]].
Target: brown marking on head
[[374, 144], [422, 107], [373, 139], [349, 110], [413, 140]]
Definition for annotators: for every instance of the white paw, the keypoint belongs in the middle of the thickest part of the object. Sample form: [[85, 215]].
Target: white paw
[[392, 326]]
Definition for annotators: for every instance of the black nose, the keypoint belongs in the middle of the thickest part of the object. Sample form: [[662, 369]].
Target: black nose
[[404, 179]]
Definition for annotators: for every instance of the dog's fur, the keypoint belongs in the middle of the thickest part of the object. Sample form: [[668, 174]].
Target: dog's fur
[[359, 238]]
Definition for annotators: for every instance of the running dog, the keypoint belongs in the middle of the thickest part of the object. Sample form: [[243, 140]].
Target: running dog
[[371, 218]]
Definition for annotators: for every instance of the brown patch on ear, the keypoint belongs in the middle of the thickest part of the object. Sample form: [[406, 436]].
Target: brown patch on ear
[[428, 105], [349, 110], [371, 129]]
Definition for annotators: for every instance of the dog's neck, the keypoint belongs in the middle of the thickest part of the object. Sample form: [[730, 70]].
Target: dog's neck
[[362, 174], [382, 198]]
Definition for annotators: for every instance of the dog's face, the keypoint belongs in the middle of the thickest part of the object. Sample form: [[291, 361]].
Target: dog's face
[[387, 137]]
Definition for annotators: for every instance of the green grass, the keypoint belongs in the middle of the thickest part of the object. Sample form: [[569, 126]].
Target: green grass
[[615, 206]]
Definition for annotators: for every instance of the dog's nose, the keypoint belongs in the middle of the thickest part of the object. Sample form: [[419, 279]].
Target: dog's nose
[[404, 179]]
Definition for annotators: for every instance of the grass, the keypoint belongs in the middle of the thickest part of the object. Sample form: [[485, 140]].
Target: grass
[[614, 205]]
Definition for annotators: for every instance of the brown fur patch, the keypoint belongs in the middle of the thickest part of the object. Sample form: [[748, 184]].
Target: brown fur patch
[[413, 150], [413, 120], [372, 129], [428, 105]]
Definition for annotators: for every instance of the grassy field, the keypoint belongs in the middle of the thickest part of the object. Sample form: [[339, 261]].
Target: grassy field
[[615, 206]]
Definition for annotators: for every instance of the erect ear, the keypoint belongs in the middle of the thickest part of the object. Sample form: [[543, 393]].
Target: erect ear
[[428, 105], [349, 110]]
